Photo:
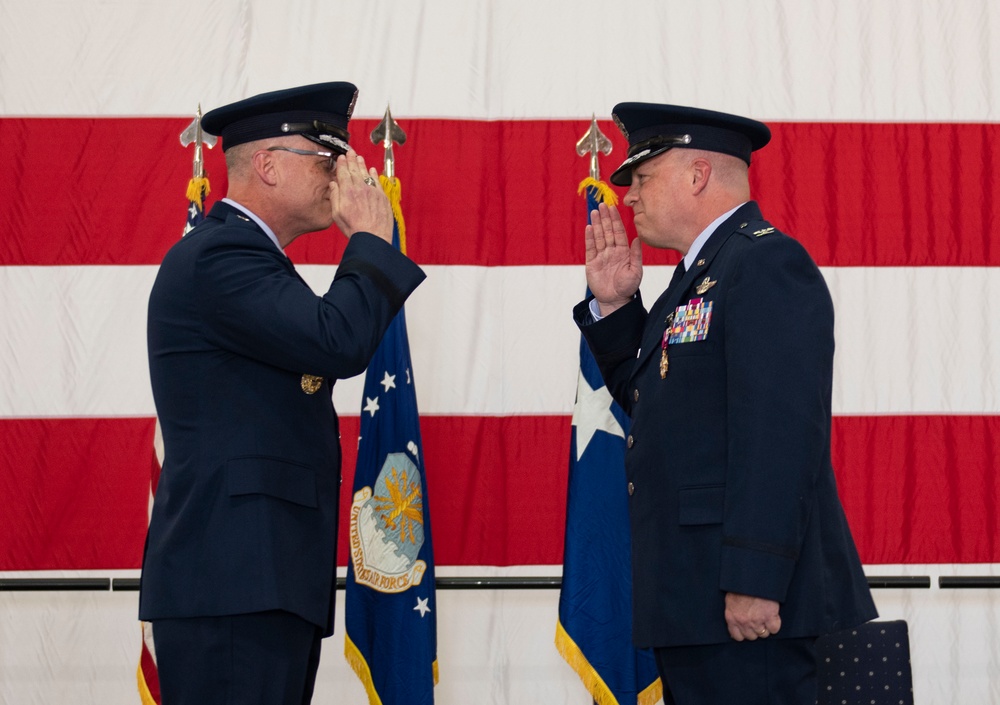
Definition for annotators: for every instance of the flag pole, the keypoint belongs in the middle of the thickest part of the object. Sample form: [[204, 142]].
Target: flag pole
[[390, 608], [594, 142], [597, 548], [386, 133], [198, 187]]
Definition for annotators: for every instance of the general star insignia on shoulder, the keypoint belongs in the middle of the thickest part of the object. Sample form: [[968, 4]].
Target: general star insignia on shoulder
[[705, 285]]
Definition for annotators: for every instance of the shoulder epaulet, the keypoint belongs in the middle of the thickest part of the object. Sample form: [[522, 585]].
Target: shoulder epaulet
[[754, 229]]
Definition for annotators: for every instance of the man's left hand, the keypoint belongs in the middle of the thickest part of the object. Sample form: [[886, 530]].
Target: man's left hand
[[751, 618]]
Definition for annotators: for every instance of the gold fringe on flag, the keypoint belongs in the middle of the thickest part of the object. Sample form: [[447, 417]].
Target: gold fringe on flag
[[652, 694], [360, 667], [604, 192], [592, 681], [198, 188], [394, 190], [145, 697]]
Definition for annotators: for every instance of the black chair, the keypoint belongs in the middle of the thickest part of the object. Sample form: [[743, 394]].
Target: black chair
[[867, 665]]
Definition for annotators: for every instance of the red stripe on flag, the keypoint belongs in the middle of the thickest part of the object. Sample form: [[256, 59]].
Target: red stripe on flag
[[75, 492], [150, 678], [920, 489], [496, 487], [504, 192], [917, 489]]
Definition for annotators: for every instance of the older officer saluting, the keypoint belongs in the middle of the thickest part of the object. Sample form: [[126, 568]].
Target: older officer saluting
[[239, 567], [741, 554]]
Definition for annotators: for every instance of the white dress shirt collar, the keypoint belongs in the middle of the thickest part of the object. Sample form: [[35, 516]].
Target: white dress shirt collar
[[261, 223], [699, 242]]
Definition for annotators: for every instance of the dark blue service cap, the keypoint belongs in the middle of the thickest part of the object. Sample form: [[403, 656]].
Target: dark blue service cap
[[319, 112], [653, 128]]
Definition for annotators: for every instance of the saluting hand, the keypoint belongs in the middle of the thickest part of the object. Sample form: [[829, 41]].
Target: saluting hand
[[359, 205], [614, 269]]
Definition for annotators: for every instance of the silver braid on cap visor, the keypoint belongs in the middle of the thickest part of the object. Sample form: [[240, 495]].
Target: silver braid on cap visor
[[338, 140], [658, 142]]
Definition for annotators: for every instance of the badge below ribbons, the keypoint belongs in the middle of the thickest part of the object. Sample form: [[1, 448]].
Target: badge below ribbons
[[691, 322]]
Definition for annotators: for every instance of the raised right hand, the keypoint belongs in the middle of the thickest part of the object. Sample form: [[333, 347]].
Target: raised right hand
[[614, 269], [357, 205]]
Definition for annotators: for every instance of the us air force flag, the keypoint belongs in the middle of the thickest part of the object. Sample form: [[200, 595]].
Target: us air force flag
[[390, 613], [594, 633]]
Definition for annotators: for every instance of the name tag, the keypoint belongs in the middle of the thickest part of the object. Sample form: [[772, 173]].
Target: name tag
[[691, 322]]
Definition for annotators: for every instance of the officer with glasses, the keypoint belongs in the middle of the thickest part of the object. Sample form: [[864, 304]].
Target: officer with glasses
[[239, 566]]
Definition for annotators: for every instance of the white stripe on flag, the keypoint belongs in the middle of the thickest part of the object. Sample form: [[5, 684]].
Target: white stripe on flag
[[496, 340], [882, 60]]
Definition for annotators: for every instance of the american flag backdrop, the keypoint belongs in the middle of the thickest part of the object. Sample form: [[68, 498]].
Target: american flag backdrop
[[884, 163]]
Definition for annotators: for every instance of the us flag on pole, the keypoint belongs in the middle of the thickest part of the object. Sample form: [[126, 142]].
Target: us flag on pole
[[147, 676]]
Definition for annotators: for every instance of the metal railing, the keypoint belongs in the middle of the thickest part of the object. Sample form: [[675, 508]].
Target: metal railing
[[906, 582]]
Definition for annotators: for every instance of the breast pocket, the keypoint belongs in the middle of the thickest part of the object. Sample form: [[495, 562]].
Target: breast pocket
[[689, 328], [701, 505], [274, 477], [701, 347]]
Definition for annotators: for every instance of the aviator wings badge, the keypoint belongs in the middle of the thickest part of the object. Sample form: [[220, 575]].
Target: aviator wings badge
[[705, 285]]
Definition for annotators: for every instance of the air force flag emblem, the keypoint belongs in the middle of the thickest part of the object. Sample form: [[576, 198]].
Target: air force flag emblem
[[387, 528]]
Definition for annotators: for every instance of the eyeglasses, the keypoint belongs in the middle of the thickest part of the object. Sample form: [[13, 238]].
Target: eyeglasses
[[331, 156]]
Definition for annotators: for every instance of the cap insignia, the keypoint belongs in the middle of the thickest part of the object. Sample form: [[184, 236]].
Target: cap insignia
[[621, 125], [350, 108]]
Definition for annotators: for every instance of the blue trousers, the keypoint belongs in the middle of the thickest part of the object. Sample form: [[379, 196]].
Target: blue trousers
[[265, 658], [768, 671]]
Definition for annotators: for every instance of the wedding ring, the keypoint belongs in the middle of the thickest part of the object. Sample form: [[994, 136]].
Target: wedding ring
[[370, 181], [762, 632]]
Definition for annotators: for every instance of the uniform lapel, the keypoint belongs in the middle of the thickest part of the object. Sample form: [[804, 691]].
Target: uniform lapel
[[234, 216], [656, 324]]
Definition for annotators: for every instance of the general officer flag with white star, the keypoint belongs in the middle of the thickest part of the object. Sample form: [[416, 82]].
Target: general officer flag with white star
[[594, 632], [390, 613]]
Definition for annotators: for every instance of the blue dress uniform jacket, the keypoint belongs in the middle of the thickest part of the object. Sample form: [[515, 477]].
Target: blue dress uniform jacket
[[242, 357], [728, 462]]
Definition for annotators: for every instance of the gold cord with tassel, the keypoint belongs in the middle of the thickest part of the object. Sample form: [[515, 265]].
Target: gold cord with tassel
[[198, 188], [605, 193], [394, 190]]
